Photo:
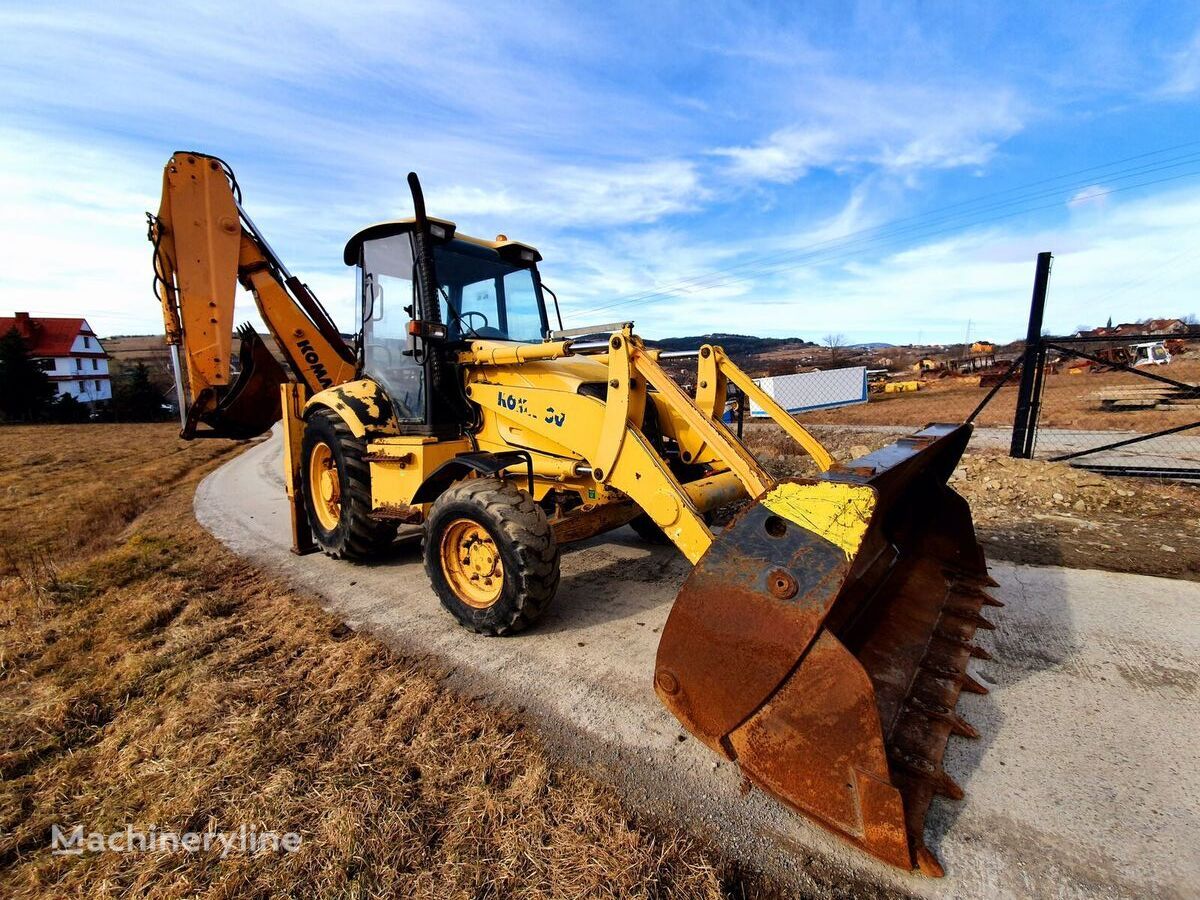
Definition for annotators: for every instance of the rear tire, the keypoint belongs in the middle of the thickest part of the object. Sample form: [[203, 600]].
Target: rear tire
[[337, 490], [489, 538]]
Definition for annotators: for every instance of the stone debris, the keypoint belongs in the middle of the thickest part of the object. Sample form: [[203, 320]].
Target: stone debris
[[1034, 484]]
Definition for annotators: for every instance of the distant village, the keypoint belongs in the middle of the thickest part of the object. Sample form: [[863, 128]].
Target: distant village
[[85, 368], [926, 360]]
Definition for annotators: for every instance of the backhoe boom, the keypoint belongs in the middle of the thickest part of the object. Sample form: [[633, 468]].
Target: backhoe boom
[[204, 245]]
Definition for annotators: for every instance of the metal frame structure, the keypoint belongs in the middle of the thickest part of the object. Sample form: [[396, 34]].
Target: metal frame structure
[[1032, 365]]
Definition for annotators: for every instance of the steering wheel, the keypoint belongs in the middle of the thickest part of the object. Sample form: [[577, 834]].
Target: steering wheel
[[473, 312]]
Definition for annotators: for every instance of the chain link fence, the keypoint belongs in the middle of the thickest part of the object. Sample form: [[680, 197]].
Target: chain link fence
[[1126, 406]]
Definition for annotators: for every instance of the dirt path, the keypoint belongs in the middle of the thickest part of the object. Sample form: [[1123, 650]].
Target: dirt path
[[1084, 784]]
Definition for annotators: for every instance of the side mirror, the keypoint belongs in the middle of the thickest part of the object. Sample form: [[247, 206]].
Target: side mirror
[[372, 298], [421, 333]]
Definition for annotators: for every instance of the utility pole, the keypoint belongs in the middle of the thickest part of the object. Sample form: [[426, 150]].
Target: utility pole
[[1025, 421]]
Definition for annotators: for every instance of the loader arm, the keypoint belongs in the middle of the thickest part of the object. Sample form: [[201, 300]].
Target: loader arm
[[624, 456], [204, 246]]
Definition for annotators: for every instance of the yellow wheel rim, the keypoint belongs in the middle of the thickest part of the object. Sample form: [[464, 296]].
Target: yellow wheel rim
[[326, 485], [471, 563]]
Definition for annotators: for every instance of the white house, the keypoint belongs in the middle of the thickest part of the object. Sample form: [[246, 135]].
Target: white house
[[68, 351]]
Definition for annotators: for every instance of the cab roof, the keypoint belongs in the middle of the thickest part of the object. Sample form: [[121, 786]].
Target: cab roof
[[442, 229]]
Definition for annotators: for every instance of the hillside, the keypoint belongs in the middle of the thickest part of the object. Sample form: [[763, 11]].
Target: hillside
[[736, 345]]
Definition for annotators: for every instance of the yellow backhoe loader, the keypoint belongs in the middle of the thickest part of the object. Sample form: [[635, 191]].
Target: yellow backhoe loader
[[822, 638]]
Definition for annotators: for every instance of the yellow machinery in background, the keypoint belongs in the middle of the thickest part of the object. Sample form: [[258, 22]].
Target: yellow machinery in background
[[821, 639]]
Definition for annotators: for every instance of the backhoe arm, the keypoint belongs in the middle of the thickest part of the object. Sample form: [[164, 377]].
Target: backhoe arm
[[204, 245]]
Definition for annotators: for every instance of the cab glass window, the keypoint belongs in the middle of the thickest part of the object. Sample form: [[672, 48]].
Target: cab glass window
[[386, 305]]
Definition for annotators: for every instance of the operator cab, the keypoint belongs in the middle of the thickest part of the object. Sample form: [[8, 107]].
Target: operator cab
[[488, 290]]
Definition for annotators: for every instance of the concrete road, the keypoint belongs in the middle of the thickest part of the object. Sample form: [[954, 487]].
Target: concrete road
[[1085, 782]]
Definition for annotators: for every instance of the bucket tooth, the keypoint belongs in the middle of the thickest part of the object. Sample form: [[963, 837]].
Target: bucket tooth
[[926, 770], [979, 653], [971, 616], [955, 630], [915, 765], [948, 787], [975, 589], [928, 864], [974, 579], [963, 728], [973, 686], [930, 709], [940, 669], [942, 714]]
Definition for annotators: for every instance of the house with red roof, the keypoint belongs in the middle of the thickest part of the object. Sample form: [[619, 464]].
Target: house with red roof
[[68, 351]]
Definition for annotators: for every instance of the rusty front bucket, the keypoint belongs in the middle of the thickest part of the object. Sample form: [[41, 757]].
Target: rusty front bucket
[[823, 640]]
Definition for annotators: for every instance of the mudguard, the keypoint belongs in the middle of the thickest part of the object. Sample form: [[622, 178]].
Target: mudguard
[[362, 404]]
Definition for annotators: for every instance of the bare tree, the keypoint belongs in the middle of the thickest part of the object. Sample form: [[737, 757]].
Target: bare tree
[[834, 342]]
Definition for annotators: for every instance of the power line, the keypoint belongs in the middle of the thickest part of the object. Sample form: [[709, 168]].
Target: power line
[[1119, 175], [1163, 269], [871, 235], [867, 236], [825, 257]]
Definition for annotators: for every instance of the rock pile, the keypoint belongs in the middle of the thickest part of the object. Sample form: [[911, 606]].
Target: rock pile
[[989, 481]]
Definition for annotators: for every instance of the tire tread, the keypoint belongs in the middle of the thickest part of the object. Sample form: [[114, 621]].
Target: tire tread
[[523, 527]]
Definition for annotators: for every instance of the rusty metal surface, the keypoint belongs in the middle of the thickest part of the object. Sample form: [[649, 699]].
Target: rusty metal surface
[[729, 641], [398, 512], [580, 524], [834, 682]]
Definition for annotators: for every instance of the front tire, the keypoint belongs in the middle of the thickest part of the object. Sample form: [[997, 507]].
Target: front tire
[[647, 529], [337, 490], [490, 555]]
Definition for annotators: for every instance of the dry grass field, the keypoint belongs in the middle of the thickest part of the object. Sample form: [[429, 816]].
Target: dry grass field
[[149, 677]]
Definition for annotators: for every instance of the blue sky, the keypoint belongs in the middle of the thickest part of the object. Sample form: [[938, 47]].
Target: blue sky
[[886, 172]]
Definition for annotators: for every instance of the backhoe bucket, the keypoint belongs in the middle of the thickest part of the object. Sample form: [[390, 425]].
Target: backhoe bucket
[[251, 405], [822, 642]]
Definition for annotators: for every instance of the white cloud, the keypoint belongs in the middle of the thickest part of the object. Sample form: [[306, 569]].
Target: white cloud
[[544, 127], [1184, 71], [785, 156], [1124, 261], [1092, 194], [898, 128], [593, 196], [74, 234]]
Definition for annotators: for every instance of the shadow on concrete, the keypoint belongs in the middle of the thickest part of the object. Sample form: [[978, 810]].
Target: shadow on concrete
[[1034, 633], [602, 583]]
